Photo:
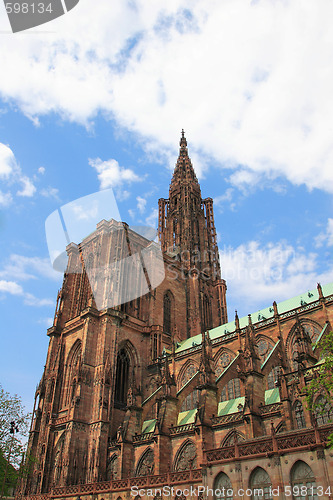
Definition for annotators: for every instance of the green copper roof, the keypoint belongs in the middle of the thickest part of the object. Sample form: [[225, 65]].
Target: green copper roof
[[187, 383], [320, 336], [227, 368], [187, 417], [270, 354], [272, 396], [284, 306], [230, 406], [148, 426], [152, 395]]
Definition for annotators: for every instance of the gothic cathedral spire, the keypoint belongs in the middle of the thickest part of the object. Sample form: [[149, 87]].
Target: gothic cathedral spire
[[187, 233]]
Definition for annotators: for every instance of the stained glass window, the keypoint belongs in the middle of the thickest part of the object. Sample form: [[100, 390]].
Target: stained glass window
[[223, 487], [303, 482], [260, 485]]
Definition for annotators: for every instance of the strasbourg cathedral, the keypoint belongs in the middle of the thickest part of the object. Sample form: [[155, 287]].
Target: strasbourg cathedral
[[164, 390]]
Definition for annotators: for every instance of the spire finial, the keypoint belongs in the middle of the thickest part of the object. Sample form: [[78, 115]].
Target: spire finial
[[183, 142]]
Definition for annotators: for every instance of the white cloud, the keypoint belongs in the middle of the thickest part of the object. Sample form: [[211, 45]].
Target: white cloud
[[141, 204], [111, 174], [225, 199], [41, 170], [31, 300], [83, 212], [122, 194], [325, 237], [258, 274], [5, 199], [23, 268], [11, 172], [7, 161], [10, 287], [244, 179], [249, 81], [46, 322], [50, 192], [151, 220], [28, 188], [19, 273]]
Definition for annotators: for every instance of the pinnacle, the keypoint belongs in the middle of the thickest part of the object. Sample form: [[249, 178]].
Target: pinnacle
[[184, 169], [183, 142]]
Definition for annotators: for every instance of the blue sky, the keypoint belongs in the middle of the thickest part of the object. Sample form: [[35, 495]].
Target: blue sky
[[250, 82]]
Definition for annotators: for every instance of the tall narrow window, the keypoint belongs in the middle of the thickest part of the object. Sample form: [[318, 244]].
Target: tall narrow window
[[73, 367], [207, 314], [223, 488], [260, 484], [303, 480], [122, 375], [175, 222], [155, 350], [167, 323], [191, 401], [323, 411], [273, 377], [232, 390]]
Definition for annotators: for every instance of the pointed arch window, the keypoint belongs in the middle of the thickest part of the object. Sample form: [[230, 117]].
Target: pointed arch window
[[73, 367], [167, 313], [223, 488], [122, 378], [302, 476], [323, 411], [146, 464], [190, 371], [112, 468], [232, 437], [191, 401], [222, 362], [260, 484], [273, 377], [299, 415], [232, 390], [187, 457], [57, 461]]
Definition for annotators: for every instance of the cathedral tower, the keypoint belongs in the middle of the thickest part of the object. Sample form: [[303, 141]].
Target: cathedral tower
[[103, 360], [187, 233]]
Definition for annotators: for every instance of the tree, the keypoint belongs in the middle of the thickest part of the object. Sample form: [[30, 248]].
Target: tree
[[320, 389], [14, 426]]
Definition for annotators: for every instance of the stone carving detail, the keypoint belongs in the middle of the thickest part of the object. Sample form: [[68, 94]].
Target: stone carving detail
[[222, 362], [187, 458], [264, 348], [146, 464], [312, 330], [301, 472], [190, 371], [223, 483], [112, 468], [233, 437]]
